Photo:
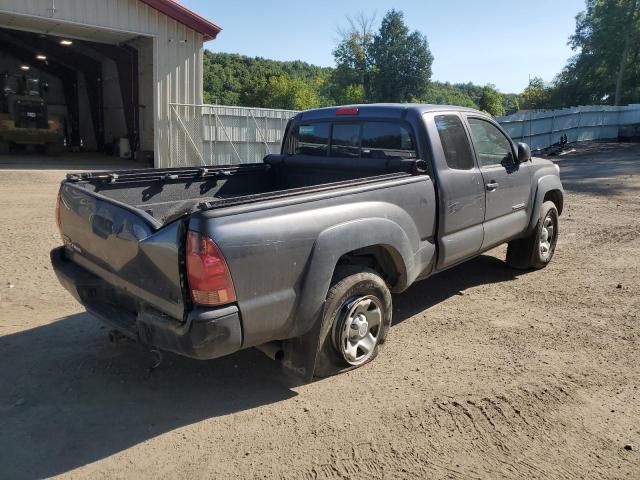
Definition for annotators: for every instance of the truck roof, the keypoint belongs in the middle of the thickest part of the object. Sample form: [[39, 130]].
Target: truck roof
[[388, 110]]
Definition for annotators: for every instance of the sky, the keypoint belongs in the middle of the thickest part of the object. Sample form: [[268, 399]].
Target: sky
[[491, 41]]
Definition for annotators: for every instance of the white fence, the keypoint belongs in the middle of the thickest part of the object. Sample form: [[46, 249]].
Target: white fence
[[222, 135], [544, 128]]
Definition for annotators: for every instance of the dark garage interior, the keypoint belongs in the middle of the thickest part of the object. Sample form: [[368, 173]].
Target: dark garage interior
[[64, 95]]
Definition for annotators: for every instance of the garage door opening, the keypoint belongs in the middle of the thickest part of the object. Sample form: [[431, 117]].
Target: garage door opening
[[62, 94]]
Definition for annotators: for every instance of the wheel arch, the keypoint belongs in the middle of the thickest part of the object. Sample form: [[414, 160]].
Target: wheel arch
[[550, 188], [556, 196], [376, 243]]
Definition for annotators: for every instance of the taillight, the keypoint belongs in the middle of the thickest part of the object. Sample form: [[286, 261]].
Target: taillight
[[209, 278], [58, 222]]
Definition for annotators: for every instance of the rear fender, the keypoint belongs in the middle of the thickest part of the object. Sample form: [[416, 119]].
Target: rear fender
[[301, 352]]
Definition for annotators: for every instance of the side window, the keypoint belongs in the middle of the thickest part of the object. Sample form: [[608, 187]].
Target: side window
[[492, 146], [311, 139], [386, 140], [345, 140], [455, 143]]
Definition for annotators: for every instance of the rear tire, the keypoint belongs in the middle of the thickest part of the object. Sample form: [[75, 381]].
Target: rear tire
[[536, 251], [356, 319]]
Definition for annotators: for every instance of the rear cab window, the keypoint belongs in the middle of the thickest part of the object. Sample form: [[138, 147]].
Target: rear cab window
[[386, 140], [363, 139], [345, 140], [311, 139]]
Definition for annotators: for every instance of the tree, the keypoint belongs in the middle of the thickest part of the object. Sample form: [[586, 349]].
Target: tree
[[606, 67], [231, 79], [448, 94], [628, 35], [511, 103], [491, 101], [535, 96], [401, 61], [351, 79], [284, 92]]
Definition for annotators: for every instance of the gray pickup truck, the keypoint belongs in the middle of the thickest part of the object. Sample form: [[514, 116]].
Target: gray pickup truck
[[299, 255]]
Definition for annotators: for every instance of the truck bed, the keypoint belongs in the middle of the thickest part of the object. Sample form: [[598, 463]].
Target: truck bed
[[167, 194]]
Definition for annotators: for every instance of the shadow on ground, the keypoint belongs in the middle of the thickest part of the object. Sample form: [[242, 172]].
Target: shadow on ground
[[67, 162], [600, 168], [69, 398], [423, 295]]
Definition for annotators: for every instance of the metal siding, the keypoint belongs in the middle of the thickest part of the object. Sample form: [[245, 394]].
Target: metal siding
[[590, 122], [177, 65], [179, 76]]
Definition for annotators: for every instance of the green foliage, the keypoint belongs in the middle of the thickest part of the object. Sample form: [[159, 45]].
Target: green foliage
[[491, 101], [231, 79], [607, 39], [447, 94], [351, 79], [511, 102], [353, 94], [391, 64], [401, 61], [290, 93], [536, 96]]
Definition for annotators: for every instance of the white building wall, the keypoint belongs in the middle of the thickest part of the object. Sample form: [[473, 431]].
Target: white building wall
[[591, 122], [177, 50]]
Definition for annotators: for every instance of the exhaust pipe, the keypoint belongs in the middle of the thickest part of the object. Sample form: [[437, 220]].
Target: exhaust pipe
[[273, 350]]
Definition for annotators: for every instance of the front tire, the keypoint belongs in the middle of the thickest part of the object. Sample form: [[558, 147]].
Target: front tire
[[356, 320], [536, 251]]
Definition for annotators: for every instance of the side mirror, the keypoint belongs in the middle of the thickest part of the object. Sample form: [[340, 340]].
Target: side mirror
[[524, 152]]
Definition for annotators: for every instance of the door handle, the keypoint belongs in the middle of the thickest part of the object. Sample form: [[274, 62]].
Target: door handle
[[492, 186]]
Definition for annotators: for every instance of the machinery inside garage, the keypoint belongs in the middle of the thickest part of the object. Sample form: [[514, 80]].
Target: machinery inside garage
[[97, 76], [62, 94]]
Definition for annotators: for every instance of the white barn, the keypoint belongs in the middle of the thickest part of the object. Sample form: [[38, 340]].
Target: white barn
[[131, 59]]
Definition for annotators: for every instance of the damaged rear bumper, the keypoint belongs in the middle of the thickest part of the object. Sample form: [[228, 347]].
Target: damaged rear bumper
[[205, 334]]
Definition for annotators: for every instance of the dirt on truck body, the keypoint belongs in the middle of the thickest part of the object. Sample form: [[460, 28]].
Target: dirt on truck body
[[488, 372]]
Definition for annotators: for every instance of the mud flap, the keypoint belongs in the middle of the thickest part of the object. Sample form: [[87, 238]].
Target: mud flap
[[302, 357], [301, 353]]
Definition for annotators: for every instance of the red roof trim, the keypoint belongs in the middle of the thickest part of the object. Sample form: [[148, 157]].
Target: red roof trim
[[182, 14]]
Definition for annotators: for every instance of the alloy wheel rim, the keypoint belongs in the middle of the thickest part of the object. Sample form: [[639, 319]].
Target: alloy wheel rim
[[547, 237], [359, 329]]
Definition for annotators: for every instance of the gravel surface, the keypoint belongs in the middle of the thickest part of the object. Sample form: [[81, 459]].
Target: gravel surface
[[487, 372]]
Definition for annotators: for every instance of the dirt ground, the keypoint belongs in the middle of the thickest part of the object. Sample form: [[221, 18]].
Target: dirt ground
[[487, 373]]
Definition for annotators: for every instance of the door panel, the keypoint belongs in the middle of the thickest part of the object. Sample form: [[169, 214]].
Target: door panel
[[507, 183], [461, 195]]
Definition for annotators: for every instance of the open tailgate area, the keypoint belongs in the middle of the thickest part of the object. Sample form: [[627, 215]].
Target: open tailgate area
[[126, 248]]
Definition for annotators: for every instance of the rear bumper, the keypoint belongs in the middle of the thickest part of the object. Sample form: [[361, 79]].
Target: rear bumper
[[206, 333]]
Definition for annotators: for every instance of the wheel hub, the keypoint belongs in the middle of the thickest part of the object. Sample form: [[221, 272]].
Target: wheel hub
[[359, 327], [357, 334]]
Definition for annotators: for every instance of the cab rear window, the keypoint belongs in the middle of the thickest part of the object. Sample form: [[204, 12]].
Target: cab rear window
[[386, 140], [312, 139], [352, 139]]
